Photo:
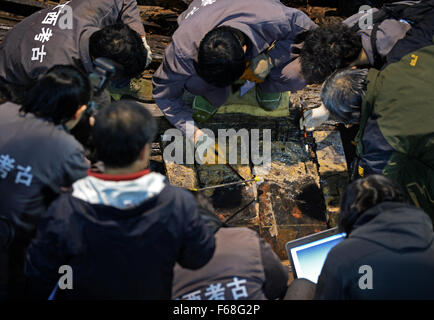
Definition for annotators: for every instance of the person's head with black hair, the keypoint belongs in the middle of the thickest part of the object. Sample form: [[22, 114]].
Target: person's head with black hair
[[60, 95], [328, 48], [343, 92], [364, 194], [121, 44], [122, 135], [222, 56]]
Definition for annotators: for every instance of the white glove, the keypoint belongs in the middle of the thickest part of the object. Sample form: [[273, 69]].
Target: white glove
[[148, 50], [314, 118]]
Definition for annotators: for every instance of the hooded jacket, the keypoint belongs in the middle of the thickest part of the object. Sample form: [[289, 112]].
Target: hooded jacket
[[262, 21], [121, 236], [393, 240]]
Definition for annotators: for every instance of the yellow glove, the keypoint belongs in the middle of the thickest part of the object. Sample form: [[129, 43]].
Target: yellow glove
[[208, 151], [258, 68]]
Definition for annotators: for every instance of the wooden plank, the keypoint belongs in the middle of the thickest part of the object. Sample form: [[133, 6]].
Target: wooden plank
[[180, 175], [333, 171], [291, 204], [35, 3]]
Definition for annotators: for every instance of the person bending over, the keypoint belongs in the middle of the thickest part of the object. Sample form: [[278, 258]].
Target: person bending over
[[353, 43], [219, 42], [75, 33]]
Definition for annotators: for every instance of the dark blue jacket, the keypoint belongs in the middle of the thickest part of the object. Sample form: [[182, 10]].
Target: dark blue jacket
[[118, 253], [396, 241]]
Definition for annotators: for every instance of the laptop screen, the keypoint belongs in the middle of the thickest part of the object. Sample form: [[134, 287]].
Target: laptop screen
[[308, 259]]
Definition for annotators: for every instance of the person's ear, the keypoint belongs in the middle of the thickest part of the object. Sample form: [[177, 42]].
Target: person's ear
[[145, 153], [80, 111]]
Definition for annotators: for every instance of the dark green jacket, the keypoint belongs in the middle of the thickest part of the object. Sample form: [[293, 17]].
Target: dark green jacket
[[397, 123]]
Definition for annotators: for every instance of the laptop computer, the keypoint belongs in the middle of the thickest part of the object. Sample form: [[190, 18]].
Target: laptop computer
[[308, 254]]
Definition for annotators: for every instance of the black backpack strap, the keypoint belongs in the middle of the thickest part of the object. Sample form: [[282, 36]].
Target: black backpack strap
[[412, 13], [378, 17], [378, 59]]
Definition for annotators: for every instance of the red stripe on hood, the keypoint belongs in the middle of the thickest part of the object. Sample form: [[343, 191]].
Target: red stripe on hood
[[118, 177]]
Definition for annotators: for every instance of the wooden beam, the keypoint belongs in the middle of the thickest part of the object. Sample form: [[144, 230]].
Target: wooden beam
[[34, 3]]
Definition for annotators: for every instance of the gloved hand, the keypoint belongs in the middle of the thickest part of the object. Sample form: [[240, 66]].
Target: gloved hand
[[314, 118], [258, 68], [208, 150], [148, 50]]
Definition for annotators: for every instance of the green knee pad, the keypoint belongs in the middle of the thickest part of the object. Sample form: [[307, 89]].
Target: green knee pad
[[268, 101], [202, 109]]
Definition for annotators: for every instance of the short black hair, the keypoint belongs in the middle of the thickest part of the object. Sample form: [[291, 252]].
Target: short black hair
[[121, 44], [221, 57], [342, 94], [326, 49], [58, 94], [121, 131], [364, 194]]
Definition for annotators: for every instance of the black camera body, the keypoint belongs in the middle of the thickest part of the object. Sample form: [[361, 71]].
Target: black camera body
[[104, 71]]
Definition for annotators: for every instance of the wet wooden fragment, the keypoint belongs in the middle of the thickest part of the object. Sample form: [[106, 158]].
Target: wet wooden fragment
[[229, 200], [291, 203], [178, 173], [332, 169]]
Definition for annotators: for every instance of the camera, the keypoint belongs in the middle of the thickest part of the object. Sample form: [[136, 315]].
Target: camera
[[105, 70]]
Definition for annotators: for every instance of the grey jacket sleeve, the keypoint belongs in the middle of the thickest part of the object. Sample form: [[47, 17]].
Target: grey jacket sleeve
[[351, 21], [72, 164], [288, 78], [130, 15], [286, 74], [169, 84], [75, 167], [390, 31], [276, 275]]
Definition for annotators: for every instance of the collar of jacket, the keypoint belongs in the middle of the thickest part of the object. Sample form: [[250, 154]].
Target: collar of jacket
[[120, 194], [118, 177], [258, 44]]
